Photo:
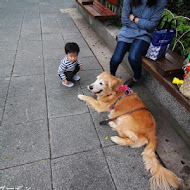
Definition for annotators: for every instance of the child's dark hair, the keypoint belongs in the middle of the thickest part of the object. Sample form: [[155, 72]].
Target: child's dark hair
[[72, 47]]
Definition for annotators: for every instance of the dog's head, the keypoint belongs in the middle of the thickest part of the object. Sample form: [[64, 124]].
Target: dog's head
[[105, 84]]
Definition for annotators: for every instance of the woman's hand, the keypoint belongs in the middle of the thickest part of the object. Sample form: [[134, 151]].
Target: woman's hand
[[131, 17], [136, 20]]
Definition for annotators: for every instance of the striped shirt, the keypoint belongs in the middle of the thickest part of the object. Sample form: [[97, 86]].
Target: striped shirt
[[66, 65]]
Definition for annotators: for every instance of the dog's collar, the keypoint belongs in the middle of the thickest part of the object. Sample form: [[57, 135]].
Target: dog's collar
[[126, 88], [128, 91]]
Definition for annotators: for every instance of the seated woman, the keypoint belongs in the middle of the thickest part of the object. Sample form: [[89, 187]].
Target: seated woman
[[139, 20]]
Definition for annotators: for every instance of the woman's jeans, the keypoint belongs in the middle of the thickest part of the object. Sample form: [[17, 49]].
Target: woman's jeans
[[136, 50]]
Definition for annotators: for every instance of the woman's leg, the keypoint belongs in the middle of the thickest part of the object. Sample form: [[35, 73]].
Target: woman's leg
[[119, 53], [137, 50]]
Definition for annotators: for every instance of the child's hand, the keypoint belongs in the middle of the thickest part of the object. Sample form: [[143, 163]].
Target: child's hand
[[81, 68], [66, 81]]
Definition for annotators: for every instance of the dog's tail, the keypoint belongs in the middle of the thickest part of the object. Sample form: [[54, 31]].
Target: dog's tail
[[161, 177]]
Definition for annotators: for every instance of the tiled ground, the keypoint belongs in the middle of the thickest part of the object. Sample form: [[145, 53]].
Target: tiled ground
[[50, 139]]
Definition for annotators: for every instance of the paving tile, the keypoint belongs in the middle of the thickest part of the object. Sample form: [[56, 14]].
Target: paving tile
[[6, 69], [9, 32], [72, 134], [6, 62], [127, 168], [53, 44], [65, 102], [49, 22], [31, 23], [8, 45], [2, 104], [52, 36], [24, 108], [167, 138], [85, 52], [46, 30], [29, 67], [32, 13], [31, 30], [7, 56], [30, 176], [26, 85], [72, 35], [30, 45], [67, 30], [88, 77], [12, 23], [4, 82], [24, 143], [13, 38], [31, 20], [1, 22], [45, 9], [53, 83], [80, 41], [30, 36], [90, 63], [54, 53], [15, 13], [68, 24], [81, 171], [25, 55], [51, 66], [179, 162], [142, 92], [104, 131], [63, 16]]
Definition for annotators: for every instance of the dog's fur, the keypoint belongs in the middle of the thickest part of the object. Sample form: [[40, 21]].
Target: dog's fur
[[135, 129]]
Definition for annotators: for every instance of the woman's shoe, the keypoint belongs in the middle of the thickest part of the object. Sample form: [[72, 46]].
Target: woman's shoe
[[131, 82]]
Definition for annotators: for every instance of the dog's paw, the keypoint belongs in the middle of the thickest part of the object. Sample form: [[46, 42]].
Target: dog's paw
[[81, 97], [115, 139], [112, 124]]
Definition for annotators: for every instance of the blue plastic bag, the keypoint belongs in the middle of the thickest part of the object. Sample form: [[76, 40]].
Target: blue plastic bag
[[160, 42]]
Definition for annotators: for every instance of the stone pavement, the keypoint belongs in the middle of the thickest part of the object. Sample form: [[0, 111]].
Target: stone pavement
[[49, 138]]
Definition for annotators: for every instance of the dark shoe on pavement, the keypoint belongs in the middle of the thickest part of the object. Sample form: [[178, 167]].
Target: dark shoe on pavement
[[131, 82]]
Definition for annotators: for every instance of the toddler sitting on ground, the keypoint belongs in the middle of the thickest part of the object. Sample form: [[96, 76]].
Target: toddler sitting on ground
[[70, 65]]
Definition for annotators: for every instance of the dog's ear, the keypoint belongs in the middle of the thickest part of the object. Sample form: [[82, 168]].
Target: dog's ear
[[114, 84]]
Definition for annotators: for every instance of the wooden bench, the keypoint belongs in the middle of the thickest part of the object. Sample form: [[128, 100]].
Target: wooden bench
[[98, 10], [164, 70]]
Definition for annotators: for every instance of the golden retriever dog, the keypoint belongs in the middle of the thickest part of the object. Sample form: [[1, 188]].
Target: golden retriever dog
[[133, 122]]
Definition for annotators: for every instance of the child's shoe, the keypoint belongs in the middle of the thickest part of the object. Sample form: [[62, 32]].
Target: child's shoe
[[76, 77], [68, 85]]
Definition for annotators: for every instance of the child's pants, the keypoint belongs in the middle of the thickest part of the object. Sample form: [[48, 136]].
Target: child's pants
[[70, 74]]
